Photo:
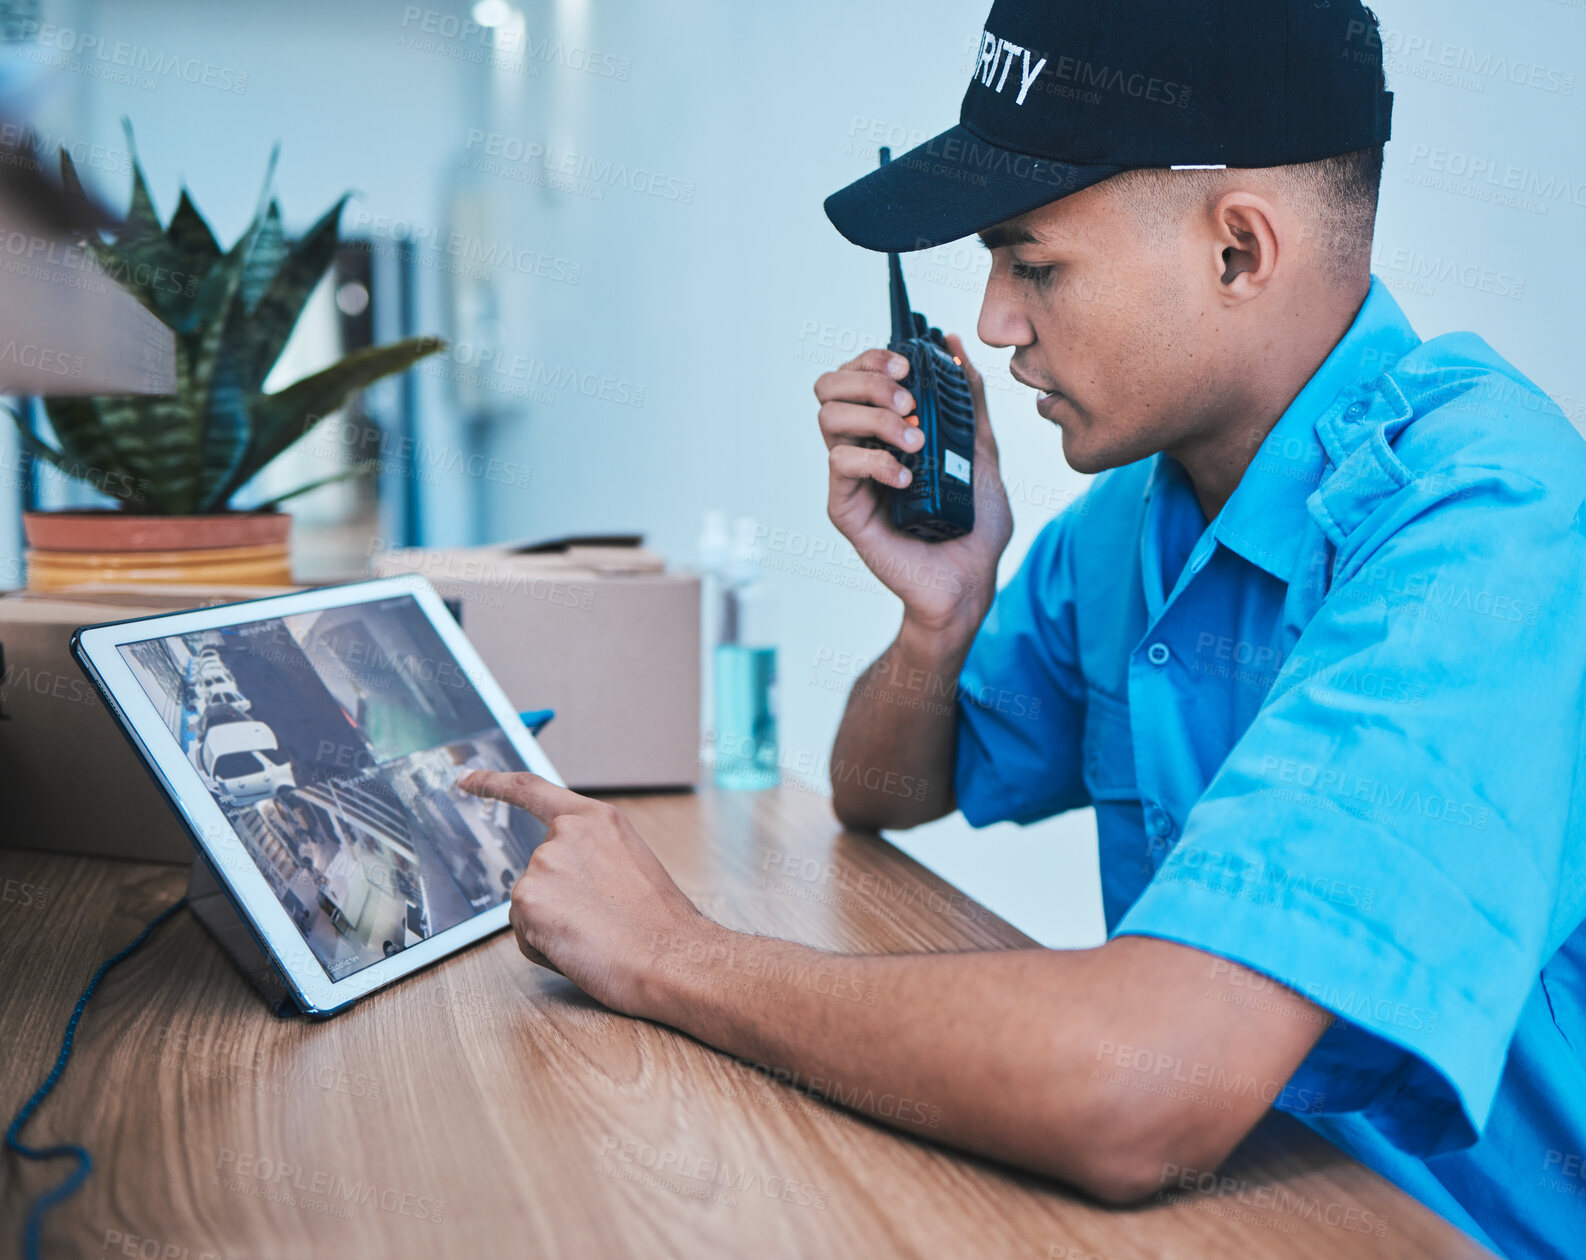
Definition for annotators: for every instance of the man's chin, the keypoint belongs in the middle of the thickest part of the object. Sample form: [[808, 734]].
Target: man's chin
[[1084, 459]]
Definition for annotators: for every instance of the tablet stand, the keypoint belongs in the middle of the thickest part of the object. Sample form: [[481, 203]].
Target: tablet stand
[[209, 901]]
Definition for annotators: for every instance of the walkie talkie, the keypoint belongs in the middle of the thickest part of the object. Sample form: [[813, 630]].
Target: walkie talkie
[[939, 501]]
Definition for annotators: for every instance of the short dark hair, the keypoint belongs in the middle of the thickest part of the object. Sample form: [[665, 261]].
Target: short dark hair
[[1337, 197]]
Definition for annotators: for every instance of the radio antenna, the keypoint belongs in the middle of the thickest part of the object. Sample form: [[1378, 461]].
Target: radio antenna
[[902, 318]]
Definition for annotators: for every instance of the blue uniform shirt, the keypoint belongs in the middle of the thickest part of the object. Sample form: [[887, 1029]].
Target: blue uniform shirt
[[1335, 735]]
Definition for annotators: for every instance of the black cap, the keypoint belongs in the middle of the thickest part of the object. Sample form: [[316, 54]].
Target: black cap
[[1065, 93]]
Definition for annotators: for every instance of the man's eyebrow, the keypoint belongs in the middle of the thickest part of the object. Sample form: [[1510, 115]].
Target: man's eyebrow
[[997, 237]]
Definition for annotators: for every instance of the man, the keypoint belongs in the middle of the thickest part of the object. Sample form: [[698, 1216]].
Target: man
[[1312, 646]]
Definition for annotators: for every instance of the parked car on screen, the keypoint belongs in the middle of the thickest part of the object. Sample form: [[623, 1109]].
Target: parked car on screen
[[220, 693], [210, 680], [241, 757]]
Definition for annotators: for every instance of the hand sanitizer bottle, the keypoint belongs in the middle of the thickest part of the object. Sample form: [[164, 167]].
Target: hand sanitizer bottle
[[745, 671]]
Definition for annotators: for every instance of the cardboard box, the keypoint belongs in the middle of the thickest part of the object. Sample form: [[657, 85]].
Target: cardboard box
[[595, 629], [69, 781]]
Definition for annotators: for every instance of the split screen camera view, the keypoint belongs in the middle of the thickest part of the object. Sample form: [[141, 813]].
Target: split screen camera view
[[333, 742]]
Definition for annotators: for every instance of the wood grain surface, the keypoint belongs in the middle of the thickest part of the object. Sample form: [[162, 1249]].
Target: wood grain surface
[[486, 1108]]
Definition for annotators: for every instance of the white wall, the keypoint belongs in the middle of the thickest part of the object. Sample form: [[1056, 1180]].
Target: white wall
[[726, 304]]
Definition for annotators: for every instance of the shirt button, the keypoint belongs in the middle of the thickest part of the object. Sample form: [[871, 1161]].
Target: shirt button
[[1355, 411], [1198, 563], [1157, 654], [1157, 820]]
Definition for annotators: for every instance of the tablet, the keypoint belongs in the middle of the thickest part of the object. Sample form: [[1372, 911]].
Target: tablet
[[311, 744]]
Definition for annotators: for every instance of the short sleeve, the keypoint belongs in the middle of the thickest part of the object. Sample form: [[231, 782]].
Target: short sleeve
[[1388, 836], [1021, 699]]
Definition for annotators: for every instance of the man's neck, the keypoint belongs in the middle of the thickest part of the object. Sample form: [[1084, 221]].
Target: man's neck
[[1216, 460]]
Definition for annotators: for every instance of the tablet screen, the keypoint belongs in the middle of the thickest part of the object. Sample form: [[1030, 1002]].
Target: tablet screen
[[333, 740]]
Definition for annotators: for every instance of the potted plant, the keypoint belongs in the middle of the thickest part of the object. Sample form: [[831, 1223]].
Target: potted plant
[[175, 463]]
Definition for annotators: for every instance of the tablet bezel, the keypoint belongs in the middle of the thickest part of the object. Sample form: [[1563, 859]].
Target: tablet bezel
[[97, 650]]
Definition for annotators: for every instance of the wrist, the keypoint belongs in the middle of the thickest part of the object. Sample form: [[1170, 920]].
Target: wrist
[[677, 977], [940, 646]]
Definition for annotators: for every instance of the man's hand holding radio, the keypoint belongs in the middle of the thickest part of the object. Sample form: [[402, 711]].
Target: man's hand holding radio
[[945, 587], [901, 713]]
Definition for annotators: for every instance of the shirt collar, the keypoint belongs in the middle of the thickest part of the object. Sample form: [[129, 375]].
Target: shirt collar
[[1265, 518]]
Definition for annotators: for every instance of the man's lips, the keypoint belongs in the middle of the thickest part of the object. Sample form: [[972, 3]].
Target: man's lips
[[1013, 371], [1045, 399], [1043, 390]]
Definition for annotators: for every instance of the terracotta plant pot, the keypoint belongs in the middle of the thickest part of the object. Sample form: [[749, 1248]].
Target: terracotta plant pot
[[230, 548]]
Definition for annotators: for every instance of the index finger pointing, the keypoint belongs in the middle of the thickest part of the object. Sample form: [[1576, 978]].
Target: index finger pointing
[[528, 791]]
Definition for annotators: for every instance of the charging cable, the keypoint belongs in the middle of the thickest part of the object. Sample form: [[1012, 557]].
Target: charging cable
[[34, 1224], [32, 1228]]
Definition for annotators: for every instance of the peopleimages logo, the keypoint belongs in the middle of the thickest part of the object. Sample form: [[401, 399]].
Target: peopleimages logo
[[971, 161], [1454, 170], [118, 61], [1428, 56], [512, 157], [1078, 79]]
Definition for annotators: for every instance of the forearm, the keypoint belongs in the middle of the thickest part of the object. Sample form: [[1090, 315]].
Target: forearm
[[958, 1048], [892, 760], [1097, 1066], [968, 1040]]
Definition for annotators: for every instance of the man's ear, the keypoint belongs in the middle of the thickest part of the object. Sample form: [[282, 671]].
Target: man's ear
[[1246, 239]]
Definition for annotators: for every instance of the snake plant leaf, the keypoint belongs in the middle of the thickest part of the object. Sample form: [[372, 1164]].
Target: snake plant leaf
[[213, 374], [35, 445], [191, 237], [161, 267], [258, 245], [145, 261], [212, 299], [264, 259], [106, 255], [218, 288], [232, 379], [38, 447], [227, 431], [142, 222], [111, 482], [265, 195], [272, 318], [203, 264], [126, 269], [89, 452], [234, 365], [76, 195], [280, 419], [117, 484], [80, 433], [122, 270], [157, 439], [144, 256]]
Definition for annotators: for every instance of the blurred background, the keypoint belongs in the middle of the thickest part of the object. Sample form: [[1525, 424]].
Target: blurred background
[[612, 211]]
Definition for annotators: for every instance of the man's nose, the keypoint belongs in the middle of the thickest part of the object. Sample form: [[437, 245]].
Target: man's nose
[[1002, 320]]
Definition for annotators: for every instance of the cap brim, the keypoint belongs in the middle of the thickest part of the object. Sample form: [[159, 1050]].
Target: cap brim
[[948, 188]]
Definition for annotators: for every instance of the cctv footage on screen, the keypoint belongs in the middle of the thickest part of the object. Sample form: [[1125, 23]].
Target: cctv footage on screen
[[333, 741]]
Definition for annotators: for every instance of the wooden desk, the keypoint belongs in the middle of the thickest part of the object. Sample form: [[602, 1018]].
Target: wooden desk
[[486, 1108]]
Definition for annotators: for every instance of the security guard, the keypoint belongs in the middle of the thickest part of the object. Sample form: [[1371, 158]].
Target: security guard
[[1312, 645]]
